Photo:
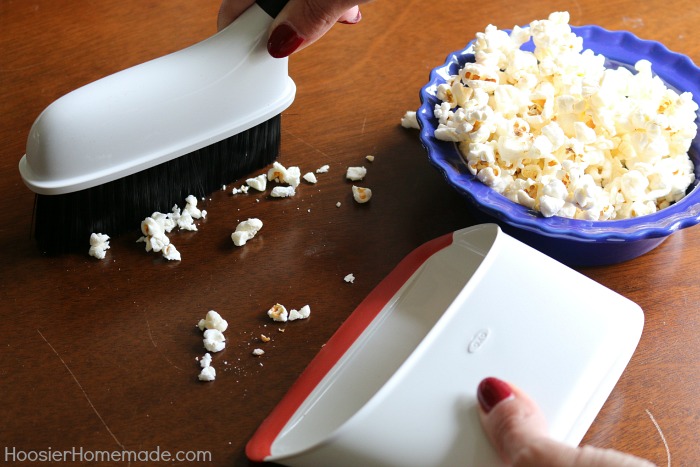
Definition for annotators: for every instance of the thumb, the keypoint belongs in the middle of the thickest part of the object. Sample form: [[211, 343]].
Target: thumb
[[517, 430], [302, 22]]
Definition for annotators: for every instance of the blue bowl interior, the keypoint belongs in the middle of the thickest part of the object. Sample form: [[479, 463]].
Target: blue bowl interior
[[622, 49]]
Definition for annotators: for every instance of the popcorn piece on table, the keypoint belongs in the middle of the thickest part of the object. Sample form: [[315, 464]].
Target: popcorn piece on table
[[207, 374], [206, 360], [355, 173], [258, 352], [213, 320], [409, 120], [278, 313], [323, 169], [214, 340], [350, 278], [310, 177], [360, 194], [303, 313], [246, 230], [258, 183], [242, 190], [283, 192], [99, 244], [369, 157]]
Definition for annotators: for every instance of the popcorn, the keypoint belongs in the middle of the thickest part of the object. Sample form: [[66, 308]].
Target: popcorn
[[258, 352], [214, 340], [281, 174], [310, 177], [257, 183], [355, 173], [246, 230], [323, 169], [191, 208], [370, 158], [207, 374], [303, 313], [171, 254], [99, 244], [350, 278], [556, 131], [155, 227], [278, 313], [205, 361], [282, 192], [409, 120], [361, 195], [243, 189], [213, 320]]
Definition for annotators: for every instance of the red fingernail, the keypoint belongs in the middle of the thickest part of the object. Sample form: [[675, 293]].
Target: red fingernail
[[354, 21], [283, 41], [491, 391]]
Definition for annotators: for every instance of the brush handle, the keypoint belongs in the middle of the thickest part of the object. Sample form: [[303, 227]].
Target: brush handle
[[159, 110], [272, 7]]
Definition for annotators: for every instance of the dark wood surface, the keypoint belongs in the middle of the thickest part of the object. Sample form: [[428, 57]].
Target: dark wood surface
[[100, 355]]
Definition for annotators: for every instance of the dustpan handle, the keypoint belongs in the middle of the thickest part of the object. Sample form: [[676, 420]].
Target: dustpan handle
[[272, 7]]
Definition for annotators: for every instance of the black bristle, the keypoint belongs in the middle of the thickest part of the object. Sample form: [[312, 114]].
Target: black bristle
[[63, 223]]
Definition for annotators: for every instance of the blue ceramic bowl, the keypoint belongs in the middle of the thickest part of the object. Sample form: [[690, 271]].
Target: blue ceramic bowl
[[571, 241]]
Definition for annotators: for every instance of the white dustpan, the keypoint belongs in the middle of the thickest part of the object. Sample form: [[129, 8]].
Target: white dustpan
[[396, 385], [159, 110]]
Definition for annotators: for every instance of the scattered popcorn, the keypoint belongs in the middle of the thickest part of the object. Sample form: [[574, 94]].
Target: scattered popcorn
[[355, 173], [243, 189], [323, 169], [361, 195], [257, 183], [282, 192], [191, 207], [370, 158], [245, 231], [409, 120], [264, 338], [214, 340], [278, 313], [280, 174], [99, 244], [310, 177], [213, 320], [338, 204], [303, 313], [207, 374], [171, 254], [293, 176], [350, 278], [258, 352], [556, 131], [206, 360]]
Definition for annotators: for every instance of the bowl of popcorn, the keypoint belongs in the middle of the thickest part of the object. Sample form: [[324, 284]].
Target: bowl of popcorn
[[579, 141]]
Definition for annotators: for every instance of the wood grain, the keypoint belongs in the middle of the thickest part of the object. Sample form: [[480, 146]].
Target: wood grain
[[101, 354]]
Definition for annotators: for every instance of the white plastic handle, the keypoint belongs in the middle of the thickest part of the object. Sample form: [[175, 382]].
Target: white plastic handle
[[159, 110]]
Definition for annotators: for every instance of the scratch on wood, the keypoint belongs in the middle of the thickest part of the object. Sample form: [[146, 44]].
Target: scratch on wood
[[663, 438], [83, 390], [150, 335], [309, 145]]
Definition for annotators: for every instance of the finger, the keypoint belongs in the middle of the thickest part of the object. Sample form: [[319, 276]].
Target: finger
[[230, 10], [517, 429], [302, 22]]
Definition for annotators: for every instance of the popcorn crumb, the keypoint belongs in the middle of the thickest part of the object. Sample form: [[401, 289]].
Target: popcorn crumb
[[213, 320], [214, 340], [409, 120], [246, 230], [360, 194], [207, 374], [99, 244], [370, 158], [258, 183], [282, 192], [323, 169], [350, 278], [243, 189], [310, 177], [278, 313], [264, 338], [303, 313], [205, 361], [258, 352], [355, 173], [171, 253], [338, 204]]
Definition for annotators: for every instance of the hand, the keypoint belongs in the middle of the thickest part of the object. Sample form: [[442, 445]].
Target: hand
[[299, 24], [517, 429]]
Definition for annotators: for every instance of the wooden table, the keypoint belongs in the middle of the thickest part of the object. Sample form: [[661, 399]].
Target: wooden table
[[100, 355]]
